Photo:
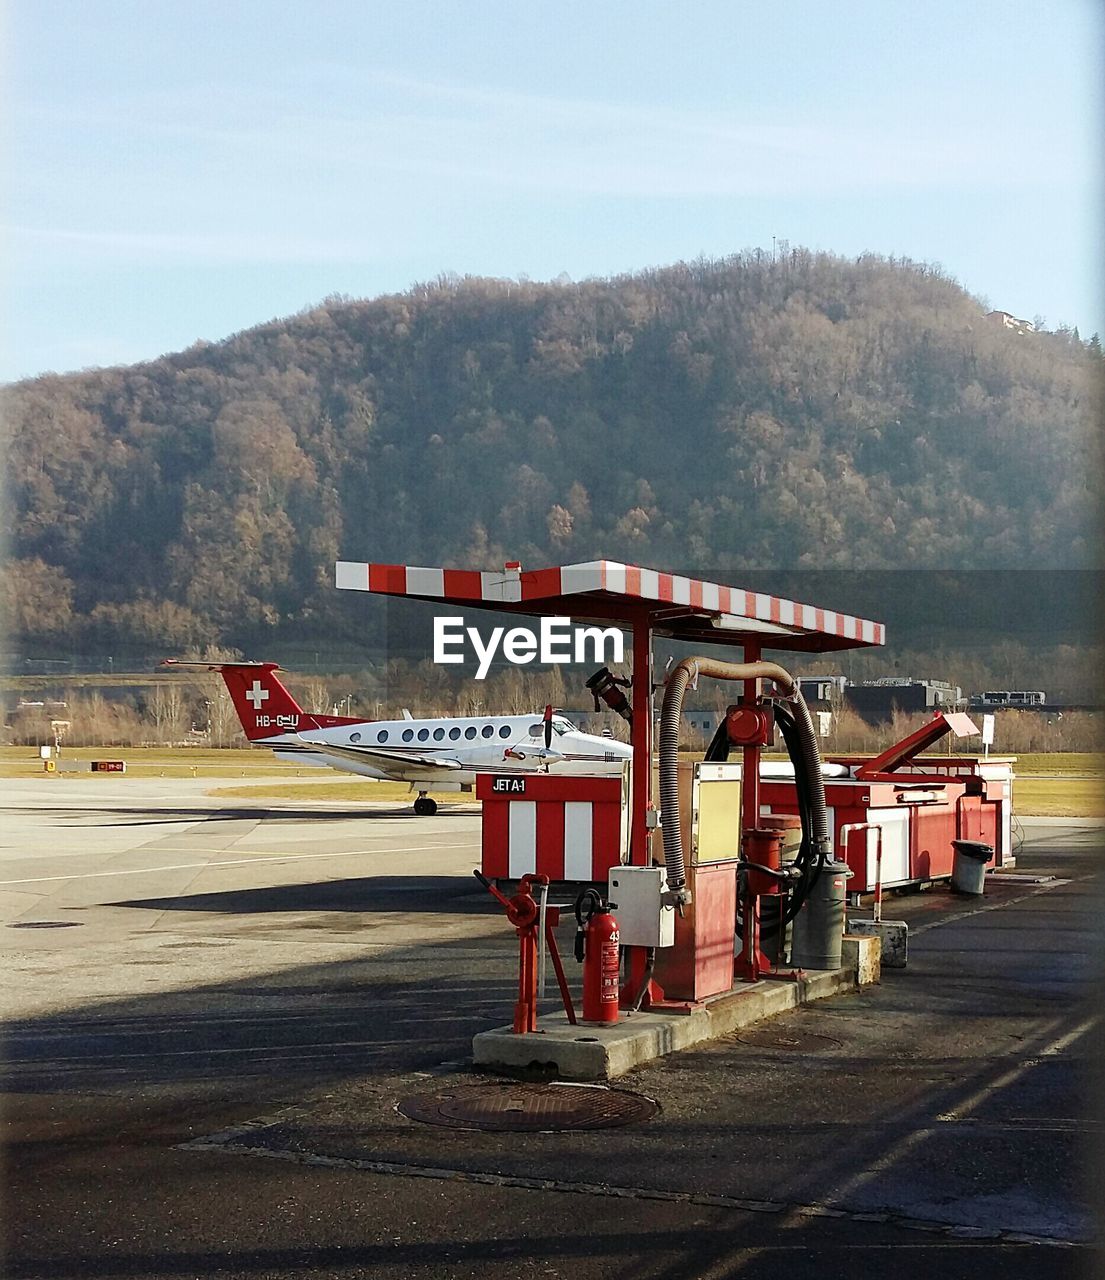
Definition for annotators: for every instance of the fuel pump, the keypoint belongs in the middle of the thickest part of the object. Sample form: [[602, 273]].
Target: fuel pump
[[748, 725], [598, 947], [752, 726]]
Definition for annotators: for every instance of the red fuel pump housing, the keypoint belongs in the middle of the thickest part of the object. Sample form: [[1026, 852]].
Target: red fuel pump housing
[[601, 967]]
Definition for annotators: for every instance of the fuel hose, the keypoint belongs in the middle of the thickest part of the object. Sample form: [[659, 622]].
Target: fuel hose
[[797, 728]]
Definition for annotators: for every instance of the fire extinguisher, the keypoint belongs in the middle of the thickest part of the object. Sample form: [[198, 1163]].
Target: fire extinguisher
[[597, 945]]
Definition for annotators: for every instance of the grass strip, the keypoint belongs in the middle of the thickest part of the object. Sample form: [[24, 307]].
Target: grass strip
[[1059, 797]]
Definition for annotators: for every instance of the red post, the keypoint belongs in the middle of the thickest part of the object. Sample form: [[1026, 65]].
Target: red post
[[639, 854], [521, 911], [748, 963], [876, 914], [750, 779], [551, 921], [525, 1011]]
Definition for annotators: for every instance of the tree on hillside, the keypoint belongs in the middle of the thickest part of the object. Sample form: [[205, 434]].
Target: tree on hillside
[[714, 415]]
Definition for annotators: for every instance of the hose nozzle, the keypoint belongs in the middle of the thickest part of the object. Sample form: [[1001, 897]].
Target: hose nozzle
[[608, 687]]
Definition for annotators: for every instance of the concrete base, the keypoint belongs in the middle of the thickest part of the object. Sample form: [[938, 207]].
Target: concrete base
[[863, 955], [600, 1052], [894, 936]]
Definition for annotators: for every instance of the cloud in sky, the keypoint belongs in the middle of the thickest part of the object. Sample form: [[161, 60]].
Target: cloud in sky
[[177, 246], [389, 120], [212, 172]]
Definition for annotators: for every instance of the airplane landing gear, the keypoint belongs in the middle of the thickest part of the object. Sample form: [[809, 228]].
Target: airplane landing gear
[[424, 806]]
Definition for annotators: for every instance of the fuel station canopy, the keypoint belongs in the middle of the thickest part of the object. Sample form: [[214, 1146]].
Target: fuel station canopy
[[605, 591], [647, 602]]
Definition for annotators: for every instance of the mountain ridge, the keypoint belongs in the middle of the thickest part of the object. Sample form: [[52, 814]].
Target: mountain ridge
[[811, 413]]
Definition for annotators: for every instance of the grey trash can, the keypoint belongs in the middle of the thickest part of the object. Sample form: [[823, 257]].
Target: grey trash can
[[819, 927], [969, 865]]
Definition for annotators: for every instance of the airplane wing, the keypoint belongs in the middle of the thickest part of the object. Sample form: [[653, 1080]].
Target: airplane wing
[[395, 762]]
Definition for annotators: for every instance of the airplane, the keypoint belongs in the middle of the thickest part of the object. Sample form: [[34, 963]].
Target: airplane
[[442, 753]]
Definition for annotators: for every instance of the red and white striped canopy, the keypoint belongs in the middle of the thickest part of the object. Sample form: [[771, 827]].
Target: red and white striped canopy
[[603, 590]]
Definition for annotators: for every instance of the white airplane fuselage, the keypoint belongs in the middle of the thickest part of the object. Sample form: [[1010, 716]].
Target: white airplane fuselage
[[465, 746]]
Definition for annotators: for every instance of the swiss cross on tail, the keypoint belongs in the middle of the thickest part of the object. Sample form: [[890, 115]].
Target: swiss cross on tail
[[264, 705], [257, 694]]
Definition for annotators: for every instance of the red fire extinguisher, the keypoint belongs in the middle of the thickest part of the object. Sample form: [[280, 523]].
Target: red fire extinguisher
[[597, 945]]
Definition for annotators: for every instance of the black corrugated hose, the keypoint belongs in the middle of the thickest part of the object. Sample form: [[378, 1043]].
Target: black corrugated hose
[[809, 859], [806, 860], [801, 746]]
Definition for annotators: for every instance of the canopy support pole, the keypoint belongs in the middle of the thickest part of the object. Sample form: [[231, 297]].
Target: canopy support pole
[[639, 851]]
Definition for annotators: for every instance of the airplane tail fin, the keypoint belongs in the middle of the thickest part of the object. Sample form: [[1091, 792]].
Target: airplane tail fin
[[264, 705]]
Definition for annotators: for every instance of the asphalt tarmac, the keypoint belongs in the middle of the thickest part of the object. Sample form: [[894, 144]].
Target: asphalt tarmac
[[219, 1005]]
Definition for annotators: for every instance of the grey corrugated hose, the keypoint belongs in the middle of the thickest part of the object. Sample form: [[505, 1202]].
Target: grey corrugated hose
[[670, 712]]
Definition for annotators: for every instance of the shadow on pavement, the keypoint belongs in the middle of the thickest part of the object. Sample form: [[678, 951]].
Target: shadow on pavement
[[143, 816], [312, 1024], [104, 1082], [439, 895]]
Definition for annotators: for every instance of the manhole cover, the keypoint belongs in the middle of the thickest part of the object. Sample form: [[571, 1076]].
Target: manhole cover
[[789, 1038], [528, 1108], [47, 924]]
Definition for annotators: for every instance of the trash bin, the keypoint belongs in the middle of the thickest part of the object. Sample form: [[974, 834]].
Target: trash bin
[[969, 865], [819, 926]]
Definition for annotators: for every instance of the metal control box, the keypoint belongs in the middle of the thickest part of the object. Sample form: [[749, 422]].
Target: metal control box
[[644, 919]]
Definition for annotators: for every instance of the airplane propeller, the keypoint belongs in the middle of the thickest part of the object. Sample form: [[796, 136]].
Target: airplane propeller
[[546, 755]]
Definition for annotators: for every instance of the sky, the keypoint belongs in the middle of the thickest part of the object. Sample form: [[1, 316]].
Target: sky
[[176, 172]]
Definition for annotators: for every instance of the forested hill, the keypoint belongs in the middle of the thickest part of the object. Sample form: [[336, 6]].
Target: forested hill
[[709, 417]]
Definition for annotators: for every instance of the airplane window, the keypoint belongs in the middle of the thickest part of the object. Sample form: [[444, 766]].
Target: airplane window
[[504, 731], [423, 735], [382, 735], [454, 733], [439, 733], [354, 737], [488, 731], [561, 725], [408, 735], [470, 732], [535, 731]]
